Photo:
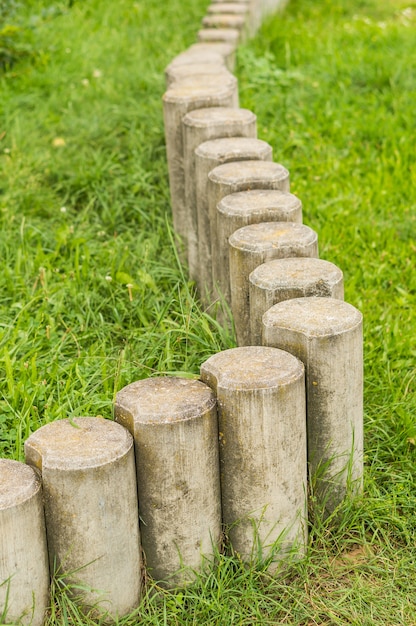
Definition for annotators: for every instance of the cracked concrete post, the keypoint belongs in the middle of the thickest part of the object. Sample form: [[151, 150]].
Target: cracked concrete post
[[196, 92], [24, 571], [208, 156], [326, 334], [201, 125], [262, 424], [253, 245], [174, 424], [285, 279], [89, 487], [241, 209]]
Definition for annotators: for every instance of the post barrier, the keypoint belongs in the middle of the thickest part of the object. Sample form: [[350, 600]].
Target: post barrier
[[91, 513], [24, 570], [191, 59], [174, 425], [241, 209], [262, 427], [199, 126], [226, 50], [194, 93], [226, 21], [326, 334], [208, 156], [179, 73], [286, 279]]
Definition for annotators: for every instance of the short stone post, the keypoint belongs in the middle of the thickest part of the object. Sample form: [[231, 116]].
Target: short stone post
[[199, 126], [174, 424], [252, 7], [193, 93], [188, 59], [226, 50], [262, 424], [326, 334], [241, 209], [178, 73], [226, 21], [24, 571], [253, 245], [219, 35], [91, 512], [285, 279], [208, 156]]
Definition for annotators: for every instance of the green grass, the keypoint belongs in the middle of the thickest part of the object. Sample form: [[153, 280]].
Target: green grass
[[84, 199]]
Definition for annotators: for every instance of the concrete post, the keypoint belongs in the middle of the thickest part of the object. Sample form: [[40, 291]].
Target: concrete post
[[177, 73], [24, 571], [326, 334], [285, 279], [241, 209], [217, 35], [194, 93], [253, 7], [226, 50], [243, 176], [199, 126], [91, 512], [208, 156], [262, 424], [236, 8], [174, 424], [226, 21], [188, 59], [253, 245]]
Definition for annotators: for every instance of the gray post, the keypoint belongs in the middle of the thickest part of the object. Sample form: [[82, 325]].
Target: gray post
[[285, 279], [175, 429], [199, 126], [188, 59], [326, 334], [262, 424], [226, 21], [177, 73], [226, 50], [241, 209], [24, 571], [253, 245], [208, 156], [217, 35], [194, 93], [253, 8], [91, 512]]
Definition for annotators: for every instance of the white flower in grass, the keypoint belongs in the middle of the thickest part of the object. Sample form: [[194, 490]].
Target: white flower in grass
[[108, 278]]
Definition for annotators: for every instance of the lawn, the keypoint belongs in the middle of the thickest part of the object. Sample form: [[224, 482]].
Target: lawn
[[93, 296]]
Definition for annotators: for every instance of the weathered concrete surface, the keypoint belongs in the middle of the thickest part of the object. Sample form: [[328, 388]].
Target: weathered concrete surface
[[201, 125], [24, 570], [89, 486], [227, 51], [226, 21], [219, 35], [285, 279], [174, 424], [241, 209], [208, 156], [193, 93], [262, 424], [188, 59], [326, 334], [253, 245], [178, 73]]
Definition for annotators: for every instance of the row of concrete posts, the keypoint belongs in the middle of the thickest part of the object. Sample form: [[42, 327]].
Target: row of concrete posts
[[267, 422]]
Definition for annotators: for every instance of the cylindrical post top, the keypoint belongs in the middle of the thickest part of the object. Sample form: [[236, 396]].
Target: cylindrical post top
[[194, 58], [252, 172], [240, 8], [314, 316], [182, 73], [227, 35], [302, 273], [251, 367], [234, 147], [266, 235], [204, 118], [18, 483], [224, 48], [195, 87], [164, 400], [77, 444], [254, 201]]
